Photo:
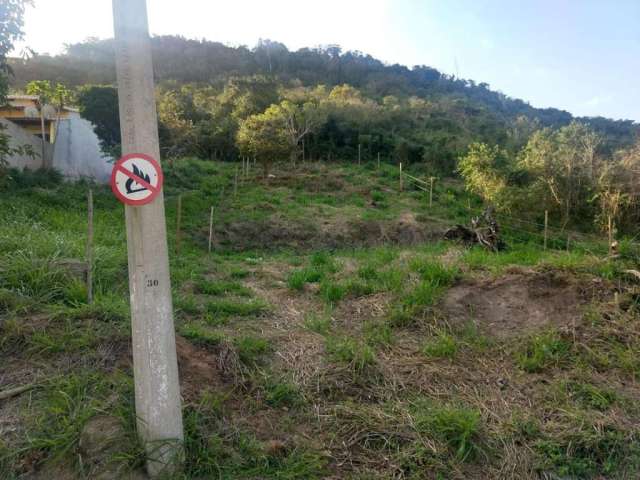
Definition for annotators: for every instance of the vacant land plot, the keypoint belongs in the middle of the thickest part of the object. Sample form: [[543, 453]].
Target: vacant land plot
[[331, 334]]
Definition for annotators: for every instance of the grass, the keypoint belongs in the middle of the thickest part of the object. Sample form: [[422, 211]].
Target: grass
[[543, 351], [299, 278], [374, 309], [221, 287], [442, 345], [251, 349], [201, 336], [281, 393], [318, 323], [590, 450], [589, 396], [229, 308], [349, 351], [457, 427]]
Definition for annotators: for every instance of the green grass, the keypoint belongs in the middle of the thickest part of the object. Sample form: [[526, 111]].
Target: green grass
[[282, 393], [332, 292], [318, 323], [589, 396], [589, 450], [298, 278], [221, 287], [377, 334], [201, 336], [543, 351], [459, 428], [229, 308], [251, 349], [442, 345], [580, 424], [349, 351]]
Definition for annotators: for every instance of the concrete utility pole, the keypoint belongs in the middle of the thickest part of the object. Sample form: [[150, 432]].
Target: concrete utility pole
[[155, 367]]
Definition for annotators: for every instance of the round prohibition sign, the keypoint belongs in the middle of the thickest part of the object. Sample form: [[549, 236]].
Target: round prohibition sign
[[136, 179]]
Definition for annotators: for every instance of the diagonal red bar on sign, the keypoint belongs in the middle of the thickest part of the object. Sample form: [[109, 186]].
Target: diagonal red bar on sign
[[137, 179]]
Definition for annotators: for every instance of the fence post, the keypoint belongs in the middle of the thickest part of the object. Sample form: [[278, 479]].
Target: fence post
[[235, 184], [210, 228], [89, 252], [359, 153], [178, 224], [401, 184], [431, 180], [378, 160], [568, 241], [610, 233], [546, 227]]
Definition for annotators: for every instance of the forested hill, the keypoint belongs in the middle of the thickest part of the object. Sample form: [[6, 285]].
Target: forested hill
[[192, 61]]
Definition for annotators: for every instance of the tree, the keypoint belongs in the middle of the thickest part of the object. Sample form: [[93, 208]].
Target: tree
[[99, 105], [263, 136], [562, 162], [61, 96], [11, 23], [44, 91], [484, 169], [298, 121]]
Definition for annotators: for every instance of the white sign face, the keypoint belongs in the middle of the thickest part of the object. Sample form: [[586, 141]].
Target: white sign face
[[136, 179]]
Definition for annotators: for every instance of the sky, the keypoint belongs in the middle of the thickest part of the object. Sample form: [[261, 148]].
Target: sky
[[582, 56]]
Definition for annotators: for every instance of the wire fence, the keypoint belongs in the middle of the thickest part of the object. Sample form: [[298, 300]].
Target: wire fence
[[550, 236]]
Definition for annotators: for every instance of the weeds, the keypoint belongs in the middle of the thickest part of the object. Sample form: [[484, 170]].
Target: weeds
[[442, 345], [349, 351], [543, 351]]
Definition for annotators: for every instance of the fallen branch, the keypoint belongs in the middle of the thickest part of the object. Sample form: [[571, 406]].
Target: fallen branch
[[12, 392]]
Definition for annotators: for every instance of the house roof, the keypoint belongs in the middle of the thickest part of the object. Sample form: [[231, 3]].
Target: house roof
[[22, 97]]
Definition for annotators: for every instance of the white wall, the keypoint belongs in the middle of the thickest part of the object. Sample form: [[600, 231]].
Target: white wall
[[19, 137], [77, 152]]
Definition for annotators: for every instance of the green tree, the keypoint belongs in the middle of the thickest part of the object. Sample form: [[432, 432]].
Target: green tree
[[299, 121], [43, 90], [264, 137], [562, 165], [484, 169], [99, 105], [11, 23]]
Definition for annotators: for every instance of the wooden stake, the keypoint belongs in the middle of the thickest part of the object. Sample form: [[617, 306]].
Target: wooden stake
[[546, 227], [610, 234], [178, 224], [155, 366], [235, 184], [359, 153], [401, 184], [210, 228], [378, 160], [431, 179], [89, 251]]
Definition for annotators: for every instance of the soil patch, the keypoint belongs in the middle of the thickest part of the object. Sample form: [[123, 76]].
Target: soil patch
[[198, 369], [519, 302], [277, 232]]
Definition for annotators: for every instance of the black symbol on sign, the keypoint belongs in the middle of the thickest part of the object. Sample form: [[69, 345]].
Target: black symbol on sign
[[130, 181]]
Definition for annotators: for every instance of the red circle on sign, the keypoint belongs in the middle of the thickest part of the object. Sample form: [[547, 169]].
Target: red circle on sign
[[121, 170]]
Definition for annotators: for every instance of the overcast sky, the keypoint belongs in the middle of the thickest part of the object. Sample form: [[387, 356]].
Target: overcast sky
[[579, 55]]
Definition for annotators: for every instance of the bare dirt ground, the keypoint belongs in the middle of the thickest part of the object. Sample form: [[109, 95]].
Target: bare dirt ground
[[520, 302]]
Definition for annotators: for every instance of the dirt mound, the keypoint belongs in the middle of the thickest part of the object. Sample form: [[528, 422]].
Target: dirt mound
[[277, 232], [198, 368], [517, 302]]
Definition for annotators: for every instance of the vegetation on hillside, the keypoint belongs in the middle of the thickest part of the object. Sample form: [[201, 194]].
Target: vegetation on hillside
[[334, 344]]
